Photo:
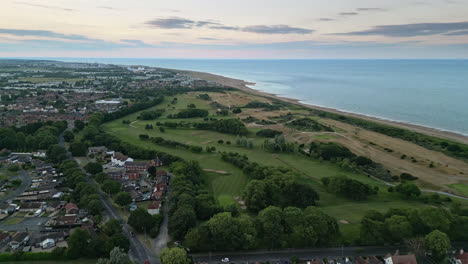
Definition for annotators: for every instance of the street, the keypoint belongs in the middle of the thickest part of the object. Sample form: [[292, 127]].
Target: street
[[137, 249], [304, 254]]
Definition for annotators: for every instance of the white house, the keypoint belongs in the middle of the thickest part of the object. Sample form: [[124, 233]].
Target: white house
[[119, 159], [153, 208]]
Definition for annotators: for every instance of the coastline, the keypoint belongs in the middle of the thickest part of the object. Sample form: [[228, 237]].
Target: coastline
[[243, 85]]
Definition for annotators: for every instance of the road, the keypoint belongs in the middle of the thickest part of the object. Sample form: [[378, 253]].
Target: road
[[25, 183], [163, 237], [137, 249], [305, 254]]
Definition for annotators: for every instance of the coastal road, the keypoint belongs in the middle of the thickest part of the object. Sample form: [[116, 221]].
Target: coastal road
[[137, 249]]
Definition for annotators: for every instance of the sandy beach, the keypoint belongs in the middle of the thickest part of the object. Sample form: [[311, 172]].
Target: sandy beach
[[242, 85]]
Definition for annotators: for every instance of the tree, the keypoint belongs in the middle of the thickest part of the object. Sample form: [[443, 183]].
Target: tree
[[237, 110], [68, 136], [181, 221], [117, 256], [79, 124], [112, 226], [435, 219], [270, 221], [141, 220], [173, 256], [93, 167], [95, 207], [78, 149], [438, 243], [56, 153], [123, 198], [152, 170], [110, 187], [256, 195], [120, 241], [77, 243], [398, 227], [408, 190]]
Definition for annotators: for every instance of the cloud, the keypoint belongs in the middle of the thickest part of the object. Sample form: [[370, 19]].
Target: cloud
[[45, 6], [411, 30], [276, 29], [349, 13], [457, 33], [177, 22], [107, 7], [370, 9], [208, 38], [41, 33], [326, 19], [136, 42], [185, 23]]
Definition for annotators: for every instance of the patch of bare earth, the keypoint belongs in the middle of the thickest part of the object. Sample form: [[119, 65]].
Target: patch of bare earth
[[344, 222]]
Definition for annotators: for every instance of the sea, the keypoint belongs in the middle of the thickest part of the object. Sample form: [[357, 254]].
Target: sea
[[430, 93]]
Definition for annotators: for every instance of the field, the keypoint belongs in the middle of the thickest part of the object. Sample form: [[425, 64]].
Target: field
[[231, 183], [461, 187]]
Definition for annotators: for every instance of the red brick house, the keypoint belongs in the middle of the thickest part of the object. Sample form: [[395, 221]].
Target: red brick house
[[135, 166], [71, 208]]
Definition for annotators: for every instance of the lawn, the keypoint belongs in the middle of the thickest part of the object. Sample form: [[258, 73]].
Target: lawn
[[461, 187], [13, 221]]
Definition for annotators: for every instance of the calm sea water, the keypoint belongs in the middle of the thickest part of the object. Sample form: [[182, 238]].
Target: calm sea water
[[432, 93]]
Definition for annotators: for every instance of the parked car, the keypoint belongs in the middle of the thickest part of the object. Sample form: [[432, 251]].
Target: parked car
[[225, 260]]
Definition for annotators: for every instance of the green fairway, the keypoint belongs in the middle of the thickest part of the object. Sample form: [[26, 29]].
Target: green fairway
[[225, 187], [461, 187]]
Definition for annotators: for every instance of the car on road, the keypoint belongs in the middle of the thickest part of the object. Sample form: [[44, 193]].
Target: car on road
[[147, 262], [225, 260], [132, 234]]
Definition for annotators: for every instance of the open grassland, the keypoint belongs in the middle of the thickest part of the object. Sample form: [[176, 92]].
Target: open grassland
[[460, 187], [226, 186]]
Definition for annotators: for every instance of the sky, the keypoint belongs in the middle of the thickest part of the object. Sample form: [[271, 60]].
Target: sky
[[241, 29]]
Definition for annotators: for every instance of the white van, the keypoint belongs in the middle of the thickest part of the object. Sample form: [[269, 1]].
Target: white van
[[38, 212]]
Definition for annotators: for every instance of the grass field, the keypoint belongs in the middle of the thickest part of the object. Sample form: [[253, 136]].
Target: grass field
[[13, 221], [225, 186], [461, 187]]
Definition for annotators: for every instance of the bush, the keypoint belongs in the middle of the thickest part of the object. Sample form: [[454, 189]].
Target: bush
[[407, 177], [269, 133]]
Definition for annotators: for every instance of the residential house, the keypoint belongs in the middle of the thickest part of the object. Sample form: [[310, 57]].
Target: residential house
[[157, 195], [4, 238], [461, 258], [119, 159], [71, 208], [157, 162], [7, 208], [160, 173], [368, 260], [161, 186], [116, 175], [56, 236], [153, 208], [18, 239], [53, 206], [400, 259], [135, 166], [67, 220], [31, 207], [97, 150]]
